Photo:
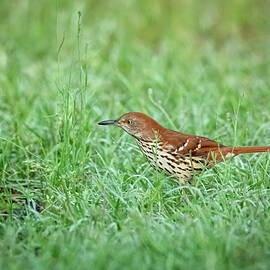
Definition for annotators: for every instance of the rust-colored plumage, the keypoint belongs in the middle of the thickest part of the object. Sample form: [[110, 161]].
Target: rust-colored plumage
[[181, 155]]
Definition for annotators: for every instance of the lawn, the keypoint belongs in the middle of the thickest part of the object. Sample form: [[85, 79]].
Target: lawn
[[75, 195]]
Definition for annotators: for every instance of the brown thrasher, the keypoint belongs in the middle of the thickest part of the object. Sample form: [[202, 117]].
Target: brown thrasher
[[180, 155]]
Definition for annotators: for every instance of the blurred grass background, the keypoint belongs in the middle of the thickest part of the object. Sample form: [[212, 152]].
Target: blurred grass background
[[76, 195]]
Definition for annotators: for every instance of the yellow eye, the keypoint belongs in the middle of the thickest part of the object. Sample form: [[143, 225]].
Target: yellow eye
[[129, 122]]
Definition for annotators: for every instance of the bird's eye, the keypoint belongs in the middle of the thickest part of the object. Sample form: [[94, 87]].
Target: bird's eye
[[129, 122]]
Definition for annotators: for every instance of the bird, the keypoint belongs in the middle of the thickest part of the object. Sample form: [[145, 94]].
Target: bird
[[179, 155]]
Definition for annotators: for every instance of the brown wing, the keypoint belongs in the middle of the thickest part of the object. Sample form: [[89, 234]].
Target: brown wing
[[186, 144]]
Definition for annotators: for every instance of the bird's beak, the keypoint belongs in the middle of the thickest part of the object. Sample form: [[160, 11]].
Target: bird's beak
[[107, 122]]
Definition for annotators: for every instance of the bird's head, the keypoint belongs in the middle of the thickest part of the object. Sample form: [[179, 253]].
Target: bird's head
[[137, 124]]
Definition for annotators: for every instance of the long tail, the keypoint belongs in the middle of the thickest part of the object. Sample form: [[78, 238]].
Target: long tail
[[245, 150]]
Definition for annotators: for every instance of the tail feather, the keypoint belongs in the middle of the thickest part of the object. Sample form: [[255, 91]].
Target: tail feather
[[246, 150]]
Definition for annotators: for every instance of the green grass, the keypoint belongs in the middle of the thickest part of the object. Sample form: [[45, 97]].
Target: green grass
[[103, 207]]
